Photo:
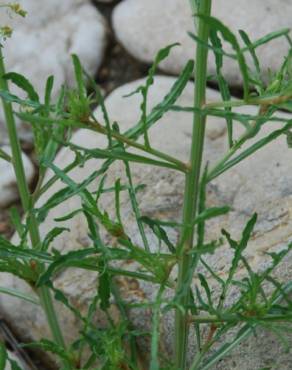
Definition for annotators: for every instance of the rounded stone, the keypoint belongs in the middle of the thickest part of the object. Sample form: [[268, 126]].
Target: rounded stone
[[145, 26]]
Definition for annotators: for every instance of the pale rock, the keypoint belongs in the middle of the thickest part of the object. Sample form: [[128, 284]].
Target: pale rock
[[262, 183], [145, 26], [8, 184], [43, 41]]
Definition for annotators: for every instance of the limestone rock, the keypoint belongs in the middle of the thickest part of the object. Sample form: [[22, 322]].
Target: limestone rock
[[8, 186], [261, 183], [145, 26], [43, 41]]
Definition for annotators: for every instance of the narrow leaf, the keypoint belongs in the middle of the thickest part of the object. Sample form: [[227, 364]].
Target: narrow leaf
[[229, 36], [159, 232], [52, 234], [19, 294], [23, 83], [104, 289]]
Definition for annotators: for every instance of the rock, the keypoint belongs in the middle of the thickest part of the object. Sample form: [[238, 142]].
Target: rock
[[145, 26], [8, 185], [261, 183], [42, 43]]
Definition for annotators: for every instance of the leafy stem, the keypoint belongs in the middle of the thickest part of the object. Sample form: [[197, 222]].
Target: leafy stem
[[192, 187], [44, 293], [123, 139]]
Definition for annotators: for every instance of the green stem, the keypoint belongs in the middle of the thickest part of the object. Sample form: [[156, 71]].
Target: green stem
[[192, 188], [135, 207], [95, 126], [47, 303], [25, 197], [215, 170], [266, 100], [42, 188], [234, 318]]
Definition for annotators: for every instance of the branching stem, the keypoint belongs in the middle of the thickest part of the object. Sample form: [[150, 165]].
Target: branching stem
[[192, 187]]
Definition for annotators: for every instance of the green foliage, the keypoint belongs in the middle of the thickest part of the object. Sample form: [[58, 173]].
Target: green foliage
[[223, 86], [50, 346], [200, 294], [23, 83], [216, 25], [161, 55], [3, 356]]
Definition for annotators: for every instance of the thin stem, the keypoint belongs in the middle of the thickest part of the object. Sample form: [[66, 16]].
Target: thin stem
[[135, 207], [192, 188], [17, 159], [241, 335], [25, 197], [222, 161], [47, 303], [154, 363], [95, 126], [5, 156], [235, 318], [265, 100], [240, 141], [42, 188], [14, 143]]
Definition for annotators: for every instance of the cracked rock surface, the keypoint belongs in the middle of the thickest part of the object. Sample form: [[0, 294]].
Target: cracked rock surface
[[43, 41], [253, 186]]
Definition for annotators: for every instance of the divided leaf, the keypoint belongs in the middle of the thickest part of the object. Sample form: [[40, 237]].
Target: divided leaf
[[216, 25]]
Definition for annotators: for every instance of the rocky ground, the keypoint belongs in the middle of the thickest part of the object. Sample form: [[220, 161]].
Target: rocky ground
[[117, 43]]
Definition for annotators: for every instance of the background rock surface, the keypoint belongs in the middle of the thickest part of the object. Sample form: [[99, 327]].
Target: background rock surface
[[145, 26]]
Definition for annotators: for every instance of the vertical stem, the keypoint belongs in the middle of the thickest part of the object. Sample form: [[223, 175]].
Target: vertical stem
[[44, 293], [192, 187], [48, 306]]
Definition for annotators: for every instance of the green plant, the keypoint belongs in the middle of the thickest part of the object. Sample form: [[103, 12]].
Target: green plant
[[260, 301]]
